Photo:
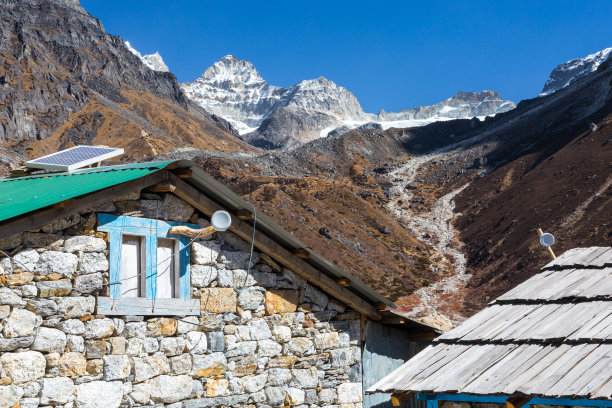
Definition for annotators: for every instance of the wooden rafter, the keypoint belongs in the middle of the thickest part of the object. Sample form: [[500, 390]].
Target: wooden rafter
[[398, 398]]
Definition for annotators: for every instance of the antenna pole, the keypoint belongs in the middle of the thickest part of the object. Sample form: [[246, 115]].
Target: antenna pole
[[549, 248]]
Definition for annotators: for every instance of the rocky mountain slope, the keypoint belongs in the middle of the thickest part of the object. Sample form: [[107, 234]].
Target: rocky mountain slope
[[274, 117], [63, 80], [571, 71], [442, 218]]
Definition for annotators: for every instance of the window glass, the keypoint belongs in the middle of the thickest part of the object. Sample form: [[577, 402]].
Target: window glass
[[131, 266], [166, 268]]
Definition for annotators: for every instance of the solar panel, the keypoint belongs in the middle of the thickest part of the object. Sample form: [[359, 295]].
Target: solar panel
[[74, 158]]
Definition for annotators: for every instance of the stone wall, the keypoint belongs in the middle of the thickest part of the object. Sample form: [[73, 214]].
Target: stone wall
[[285, 343]]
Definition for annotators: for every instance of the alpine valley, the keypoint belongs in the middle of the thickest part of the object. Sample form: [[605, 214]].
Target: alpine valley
[[436, 207]]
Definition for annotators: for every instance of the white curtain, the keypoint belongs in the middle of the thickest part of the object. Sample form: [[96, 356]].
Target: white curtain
[[131, 266], [166, 268]]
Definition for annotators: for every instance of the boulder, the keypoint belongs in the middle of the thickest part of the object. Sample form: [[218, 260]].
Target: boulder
[[49, 340], [299, 346], [54, 288], [205, 253], [175, 209], [57, 262], [349, 393], [181, 364], [91, 262], [84, 243], [196, 342], [169, 389], [217, 388], [325, 341], [42, 307], [24, 366], [268, 348], [305, 378], [218, 300], [255, 383], [9, 297], [116, 367], [10, 395], [72, 326], [282, 334], [20, 323], [281, 301], [345, 357], [259, 329], [202, 275], [72, 364], [251, 299], [25, 260], [99, 328], [150, 366], [99, 394], [57, 390], [162, 326]]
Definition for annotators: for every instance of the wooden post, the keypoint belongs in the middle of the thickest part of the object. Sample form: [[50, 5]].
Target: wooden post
[[517, 402], [398, 398], [191, 232], [540, 232]]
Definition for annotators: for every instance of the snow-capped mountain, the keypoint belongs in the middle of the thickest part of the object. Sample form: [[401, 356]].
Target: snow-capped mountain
[[233, 89], [271, 116], [153, 61], [571, 71]]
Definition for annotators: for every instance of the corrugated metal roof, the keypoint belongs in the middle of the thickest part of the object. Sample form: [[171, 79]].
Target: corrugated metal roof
[[25, 194], [550, 336]]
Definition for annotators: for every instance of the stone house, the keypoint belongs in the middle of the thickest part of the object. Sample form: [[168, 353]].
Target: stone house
[[101, 307], [544, 344]]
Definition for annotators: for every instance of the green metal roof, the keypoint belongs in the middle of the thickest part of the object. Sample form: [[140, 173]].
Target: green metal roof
[[24, 194]]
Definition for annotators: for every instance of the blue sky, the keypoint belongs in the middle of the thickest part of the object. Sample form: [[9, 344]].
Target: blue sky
[[391, 55]]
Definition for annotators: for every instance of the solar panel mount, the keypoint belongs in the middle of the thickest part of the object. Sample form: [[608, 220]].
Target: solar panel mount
[[74, 158]]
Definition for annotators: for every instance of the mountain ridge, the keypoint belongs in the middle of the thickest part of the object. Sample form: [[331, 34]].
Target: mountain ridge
[[275, 117]]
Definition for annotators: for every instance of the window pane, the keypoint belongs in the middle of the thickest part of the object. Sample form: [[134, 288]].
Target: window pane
[[166, 285], [131, 266]]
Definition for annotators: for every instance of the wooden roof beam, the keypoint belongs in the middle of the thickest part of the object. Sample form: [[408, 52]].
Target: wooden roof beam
[[274, 250], [398, 398], [517, 402]]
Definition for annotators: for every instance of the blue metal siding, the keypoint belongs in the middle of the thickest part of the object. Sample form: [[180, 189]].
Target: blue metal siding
[[386, 348], [432, 400]]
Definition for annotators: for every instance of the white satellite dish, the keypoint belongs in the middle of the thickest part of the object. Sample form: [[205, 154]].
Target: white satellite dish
[[221, 220], [547, 239]]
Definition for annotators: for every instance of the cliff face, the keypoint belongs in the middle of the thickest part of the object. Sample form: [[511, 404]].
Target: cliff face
[[56, 59]]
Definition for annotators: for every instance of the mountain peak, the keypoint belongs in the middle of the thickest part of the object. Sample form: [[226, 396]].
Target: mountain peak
[[573, 70], [233, 70], [153, 61]]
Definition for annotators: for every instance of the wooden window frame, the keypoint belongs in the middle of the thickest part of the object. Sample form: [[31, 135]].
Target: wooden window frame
[[151, 230]]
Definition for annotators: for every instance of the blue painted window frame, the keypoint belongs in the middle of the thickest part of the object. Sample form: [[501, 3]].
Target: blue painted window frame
[[151, 230]]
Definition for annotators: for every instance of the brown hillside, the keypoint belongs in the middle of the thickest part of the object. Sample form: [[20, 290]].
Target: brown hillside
[[143, 125]]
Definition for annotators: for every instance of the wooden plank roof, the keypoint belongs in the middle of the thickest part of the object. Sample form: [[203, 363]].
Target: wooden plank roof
[[550, 337]]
